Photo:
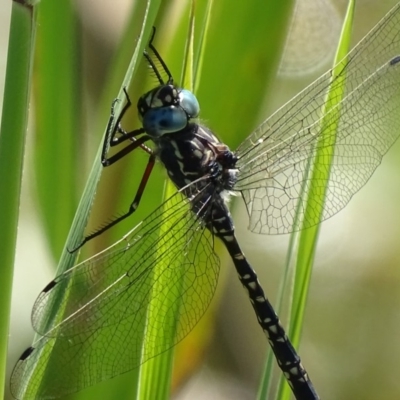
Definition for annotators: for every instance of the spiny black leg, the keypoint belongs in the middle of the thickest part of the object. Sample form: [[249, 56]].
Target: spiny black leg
[[112, 140], [126, 150], [132, 207], [122, 113], [160, 60], [115, 128]]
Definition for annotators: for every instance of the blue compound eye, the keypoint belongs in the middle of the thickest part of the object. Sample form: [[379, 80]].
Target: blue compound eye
[[167, 109], [189, 103], [158, 121]]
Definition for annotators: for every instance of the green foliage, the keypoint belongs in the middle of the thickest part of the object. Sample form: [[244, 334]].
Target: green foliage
[[12, 141], [232, 54]]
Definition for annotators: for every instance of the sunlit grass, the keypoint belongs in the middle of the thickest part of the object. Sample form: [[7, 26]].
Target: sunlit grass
[[236, 67]]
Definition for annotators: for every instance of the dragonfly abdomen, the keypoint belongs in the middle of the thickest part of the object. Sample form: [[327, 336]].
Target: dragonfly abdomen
[[288, 360]]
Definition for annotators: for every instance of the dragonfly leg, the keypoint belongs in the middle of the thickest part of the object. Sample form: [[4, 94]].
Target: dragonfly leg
[[114, 128], [132, 207], [111, 139], [160, 60]]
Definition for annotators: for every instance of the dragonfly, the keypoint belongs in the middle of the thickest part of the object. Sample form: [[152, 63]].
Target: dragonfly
[[158, 280]]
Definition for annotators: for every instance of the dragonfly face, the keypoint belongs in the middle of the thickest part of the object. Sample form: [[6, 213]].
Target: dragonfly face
[[167, 109]]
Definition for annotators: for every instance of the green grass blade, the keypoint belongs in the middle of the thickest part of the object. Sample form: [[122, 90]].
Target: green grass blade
[[58, 104], [188, 61], [203, 40], [76, 232], [110, 202], [12, 141], [143, 16], [315, 196], [81, 216], [159, 368], [128, 385]]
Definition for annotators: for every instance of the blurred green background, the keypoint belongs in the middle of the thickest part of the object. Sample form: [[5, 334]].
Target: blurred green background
[[350, 343]]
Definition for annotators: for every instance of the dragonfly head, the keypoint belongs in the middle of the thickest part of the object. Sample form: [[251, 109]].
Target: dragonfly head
[[167, 109]]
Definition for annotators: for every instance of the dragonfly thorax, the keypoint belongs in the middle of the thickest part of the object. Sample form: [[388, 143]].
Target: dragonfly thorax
[[167, 109], [194, 153]]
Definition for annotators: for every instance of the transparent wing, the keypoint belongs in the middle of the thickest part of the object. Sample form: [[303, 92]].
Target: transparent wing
[[120, 307], [273, 160]]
